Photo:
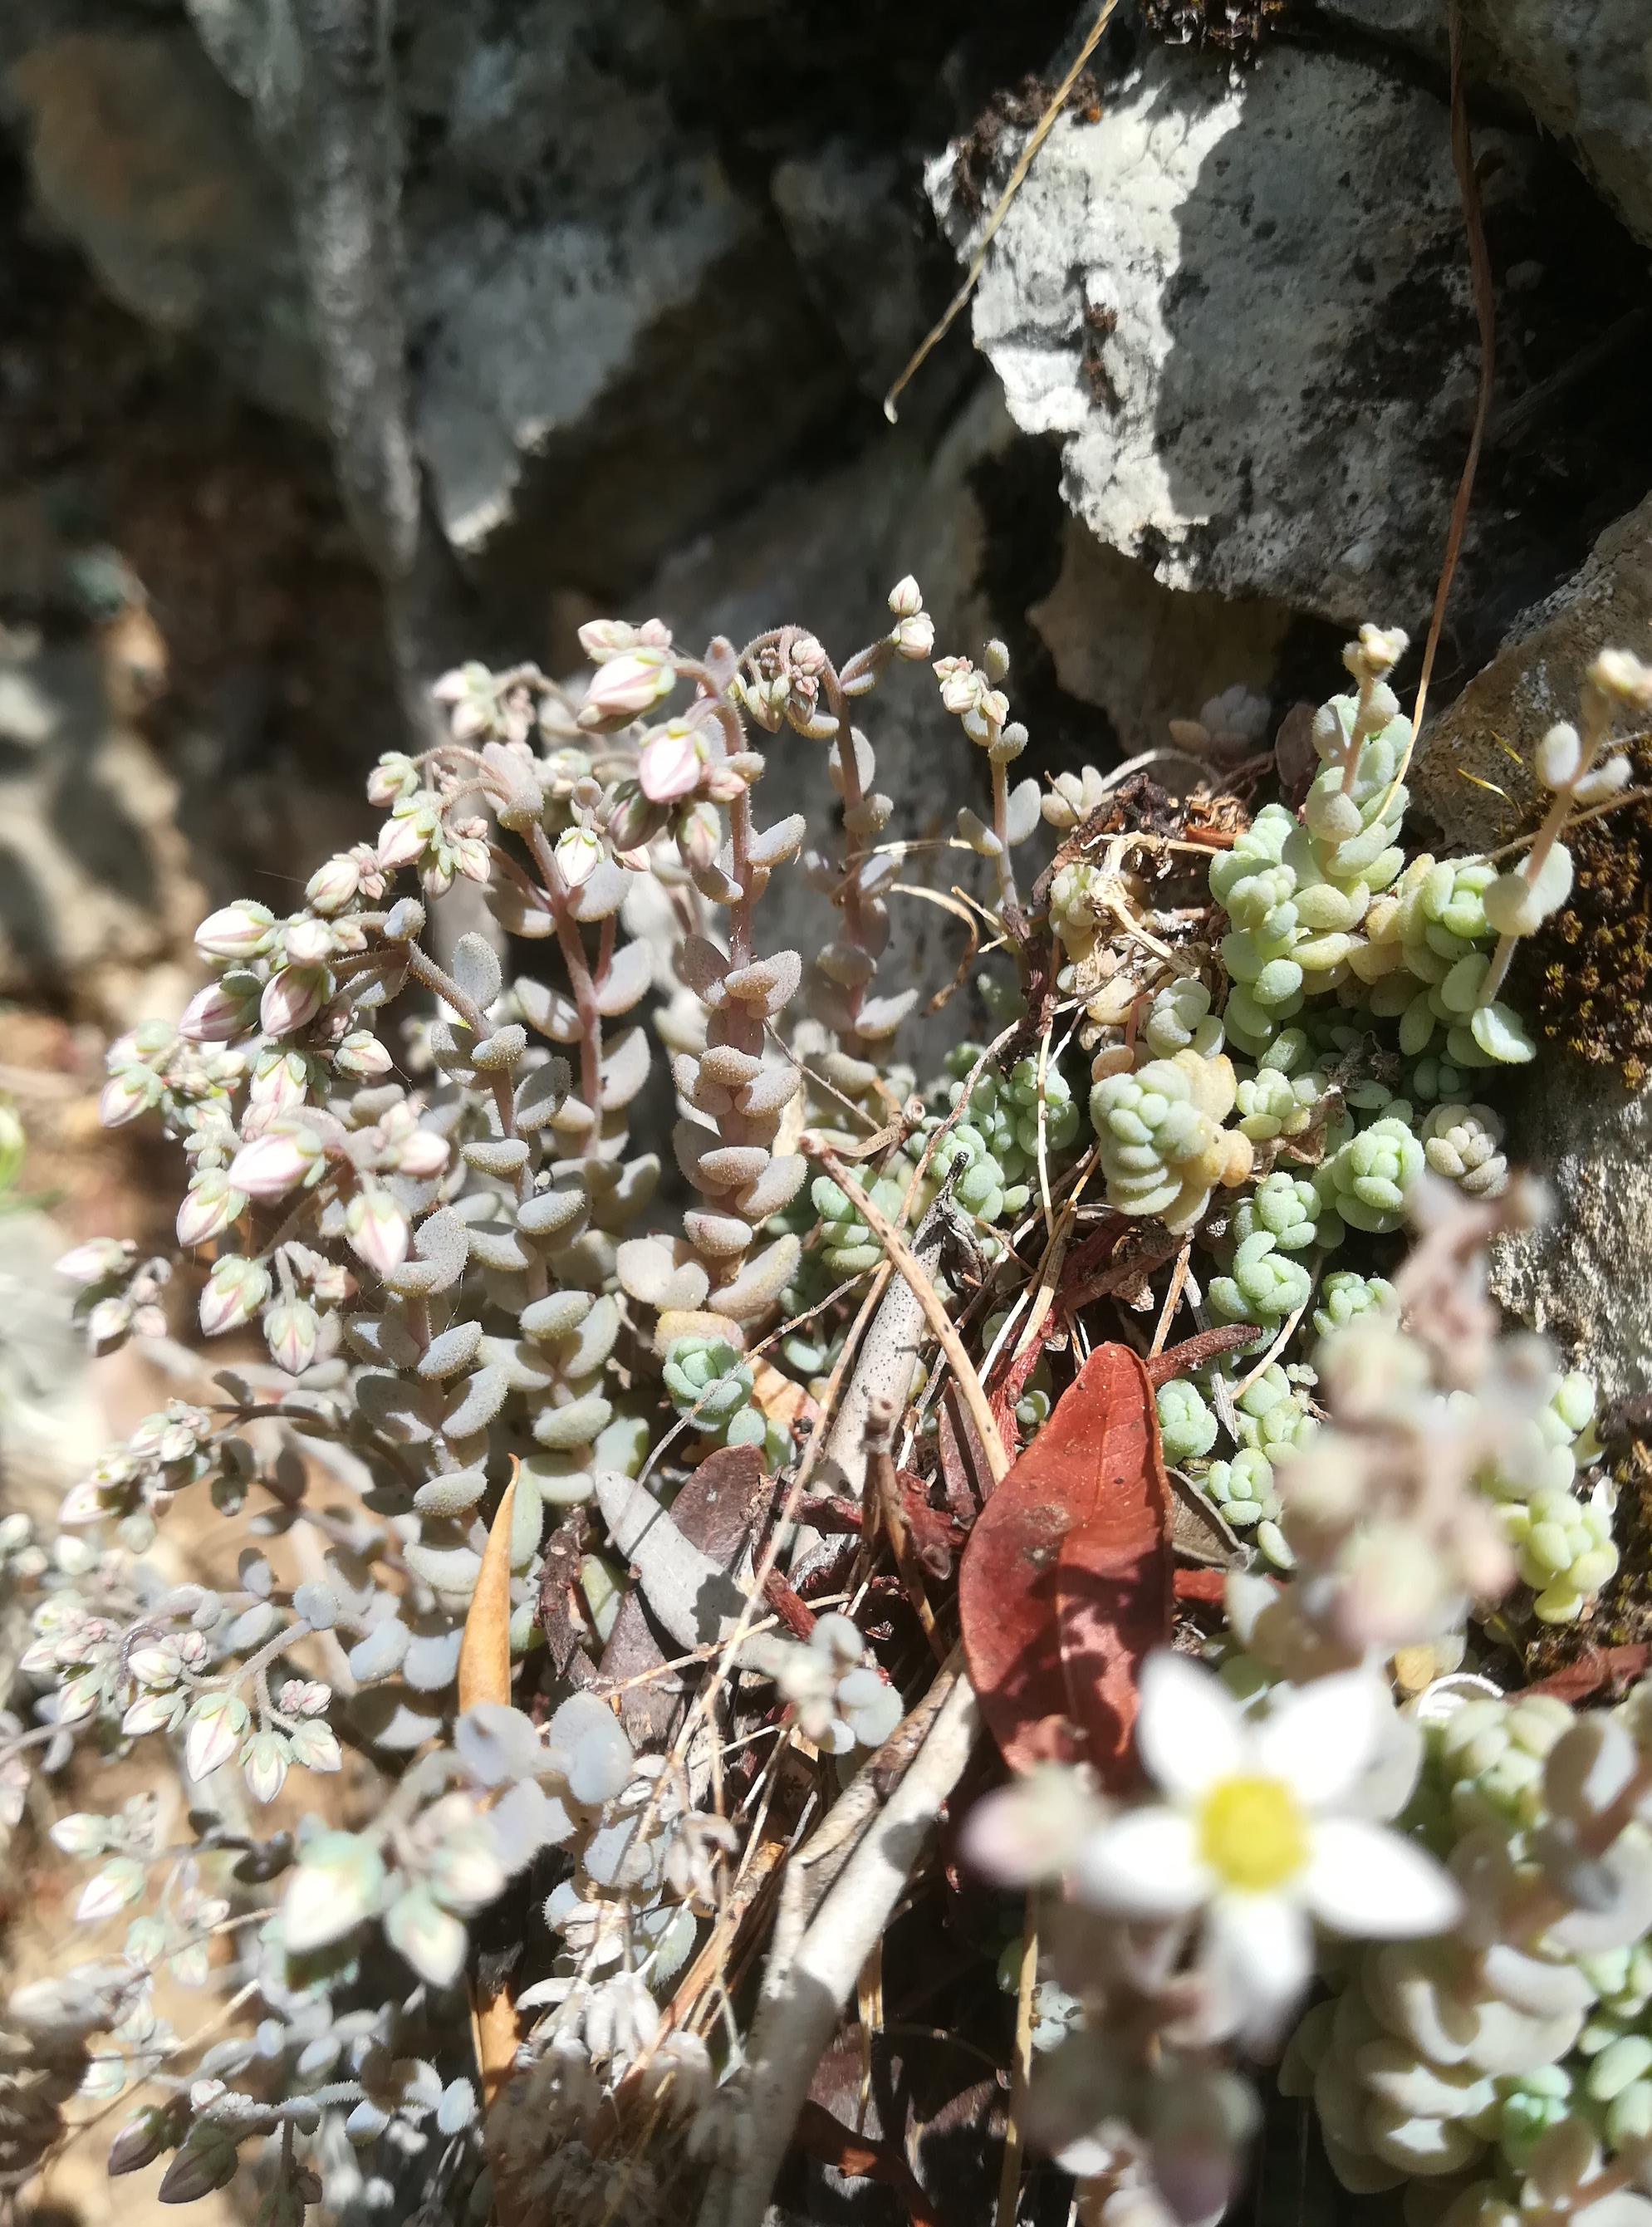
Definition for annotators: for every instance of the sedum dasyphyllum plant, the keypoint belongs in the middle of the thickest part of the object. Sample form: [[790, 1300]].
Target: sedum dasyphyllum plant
[[603, 1491]]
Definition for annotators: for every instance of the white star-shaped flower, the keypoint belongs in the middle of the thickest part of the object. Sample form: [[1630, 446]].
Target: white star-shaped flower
[[1257, 1830]]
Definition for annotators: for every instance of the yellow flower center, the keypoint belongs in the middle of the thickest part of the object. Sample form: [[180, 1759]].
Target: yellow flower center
[[1252, 1832]]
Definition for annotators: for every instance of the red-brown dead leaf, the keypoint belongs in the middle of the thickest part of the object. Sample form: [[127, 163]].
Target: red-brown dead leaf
[[1065, 1585]]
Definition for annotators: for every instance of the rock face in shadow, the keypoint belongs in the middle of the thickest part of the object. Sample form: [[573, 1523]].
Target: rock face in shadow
[[1587, 1277]]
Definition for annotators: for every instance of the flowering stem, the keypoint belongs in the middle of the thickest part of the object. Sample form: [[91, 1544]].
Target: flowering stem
[[572, 948]]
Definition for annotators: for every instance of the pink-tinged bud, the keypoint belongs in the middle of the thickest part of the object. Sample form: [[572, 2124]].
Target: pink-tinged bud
[[362, 1058], [671, 763], [264, 1765], [109, 1324], [629, 683], [699, 835], [402, 842], [291, 1330], [83, 1502], [378, 1230], [306, 943], [98, 1258], [473, 859], [906, 598], [236, 1289], [395, 775], [210, 1205], [125, 1096], [915, 637], [578, 856], [281, 1082], [331, 887], [961, 686], [240, 930], [421, 1154], [293, 998], [217, 1725], [602, 639], [272, 1164], [216, 1015]]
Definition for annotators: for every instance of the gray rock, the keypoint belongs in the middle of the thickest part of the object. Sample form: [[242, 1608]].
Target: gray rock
[[1146, 653], [1586, 1277], [142, 155], [559, 217], [857, 242], [1240, 303], [97, 897], [1581, 68]]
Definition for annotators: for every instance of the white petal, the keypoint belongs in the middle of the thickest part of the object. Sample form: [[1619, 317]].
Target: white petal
[[1322, 1738], [1260, 1951], [1367, 1882], [1144, 1863], [1189, 1732]]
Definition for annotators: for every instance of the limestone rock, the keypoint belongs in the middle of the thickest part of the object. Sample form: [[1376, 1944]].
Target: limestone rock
[[1586, 1277], [561, 227], [1582, 69], [1239, 302], [1147, 654], [1491, 730], [141, 154], [98, 899]]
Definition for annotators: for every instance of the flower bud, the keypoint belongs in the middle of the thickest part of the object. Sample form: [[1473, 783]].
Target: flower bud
[[633, 821], [378, 1230], [906, 598], [362, 1058], [264, 1765], [240, 930], [698, 833], [216, 1725], [671, 763], [306, 943], [915, 637], [209, 1206], [1617, 673], [141, 2141], [236, 1289], [331, 887], [403, 841], [272, 1164], [995, 662], [98, 1258], [108, 1324], [292, 1329], [394, 776], [602, 639], [292, 999], [125, 1096], [579, 855], [627, 683], [217, 1014], [280, 1082]]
